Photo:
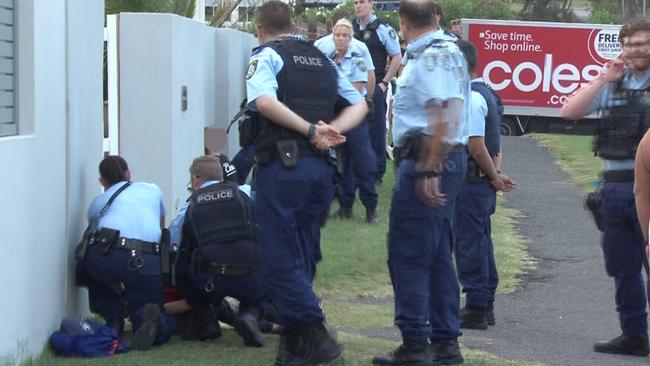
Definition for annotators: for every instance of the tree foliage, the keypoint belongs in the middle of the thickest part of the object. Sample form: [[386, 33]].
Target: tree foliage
[[184, 8], [547, 10]]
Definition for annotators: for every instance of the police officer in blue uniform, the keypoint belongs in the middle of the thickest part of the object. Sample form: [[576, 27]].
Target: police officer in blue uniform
[[429, 111], [383, 43], [359, 162], [124, 255], [295, 89], [620, 91], [473, 248], [217, 248]]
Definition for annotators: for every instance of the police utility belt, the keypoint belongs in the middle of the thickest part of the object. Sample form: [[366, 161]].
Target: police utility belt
[[108, 239], [288, 152], [412, 147]]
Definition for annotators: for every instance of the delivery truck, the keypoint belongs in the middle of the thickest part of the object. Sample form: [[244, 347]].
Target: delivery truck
[[535, 66]]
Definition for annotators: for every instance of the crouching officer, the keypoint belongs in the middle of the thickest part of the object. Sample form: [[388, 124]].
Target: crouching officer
[[217, 256], [621, 92], [474, 250], [295, 88], [123, 255]]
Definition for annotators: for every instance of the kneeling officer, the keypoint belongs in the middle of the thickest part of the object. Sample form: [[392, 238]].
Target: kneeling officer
[[217, 251]]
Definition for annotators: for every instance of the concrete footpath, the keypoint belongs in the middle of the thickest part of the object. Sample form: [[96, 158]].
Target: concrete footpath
[[566, 302]]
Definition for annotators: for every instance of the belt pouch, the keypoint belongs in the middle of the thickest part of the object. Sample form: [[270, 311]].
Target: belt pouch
[[288, 152], [106, 239]]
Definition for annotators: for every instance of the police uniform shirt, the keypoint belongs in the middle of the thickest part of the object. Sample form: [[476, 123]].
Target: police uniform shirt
[[387, 36], [261, 78], [176, 226], [326, 45], [135, 212], [604, 100], [478, 113], [438, 34], [353, 67], [433, 75]]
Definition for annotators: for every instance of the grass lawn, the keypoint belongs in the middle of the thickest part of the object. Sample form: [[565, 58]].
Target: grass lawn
[[354, 283], [574, 156]]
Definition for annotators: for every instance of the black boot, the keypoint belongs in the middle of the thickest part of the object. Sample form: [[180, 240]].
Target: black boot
[[345, 213], [625, 344], [491, 320], [227, 313], [201, 324], [248, 327], [371, 216], [473, 318], [145, 335], [406, 354], [307, 344], [446, 352]]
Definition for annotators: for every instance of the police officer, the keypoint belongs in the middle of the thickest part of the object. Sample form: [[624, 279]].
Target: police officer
[[124, 255], [359, 159], [383, 43], [295, 88], [620, 92], [429, 111], [217, 250], [474, 250]]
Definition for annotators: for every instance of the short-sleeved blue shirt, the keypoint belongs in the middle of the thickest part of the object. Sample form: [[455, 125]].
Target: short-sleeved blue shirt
[[478, 113], [432, 76], [387, 36], [353, 67], [604, 100], [261, 78], [135, 212], [326, 45]]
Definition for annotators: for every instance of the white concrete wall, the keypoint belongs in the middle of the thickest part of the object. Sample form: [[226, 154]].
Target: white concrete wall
[[50, 168], [159, 53]]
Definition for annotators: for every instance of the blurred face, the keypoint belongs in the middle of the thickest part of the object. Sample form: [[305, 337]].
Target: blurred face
[[362, 8], [636, 50], [342, 37]]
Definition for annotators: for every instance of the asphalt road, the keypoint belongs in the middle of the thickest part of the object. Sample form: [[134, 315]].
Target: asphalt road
[[566, 302]]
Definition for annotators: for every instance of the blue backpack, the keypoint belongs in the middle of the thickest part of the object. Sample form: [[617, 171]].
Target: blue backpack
[[78, 338]]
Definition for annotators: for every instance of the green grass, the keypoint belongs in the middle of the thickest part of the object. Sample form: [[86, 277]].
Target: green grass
[[573, 154], [354, 283]]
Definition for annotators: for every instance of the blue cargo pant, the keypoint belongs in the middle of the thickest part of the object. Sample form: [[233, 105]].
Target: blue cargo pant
[[419, 257], [359, 166], [377, 129], [290, 204], [474, 249], [142, 286], [624, 252]]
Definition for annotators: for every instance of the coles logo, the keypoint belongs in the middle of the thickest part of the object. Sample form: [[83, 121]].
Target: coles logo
[[604, 45]]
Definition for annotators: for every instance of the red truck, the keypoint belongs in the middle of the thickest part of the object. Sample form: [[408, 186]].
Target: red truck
[[535, 66]]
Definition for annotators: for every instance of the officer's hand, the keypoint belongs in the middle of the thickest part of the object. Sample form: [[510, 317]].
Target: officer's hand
[[614, 69], [382, 86], [428, 191], [326, 136], [503, 183]]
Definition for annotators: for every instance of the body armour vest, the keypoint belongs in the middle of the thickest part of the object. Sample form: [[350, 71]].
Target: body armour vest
[[377, 50], [307, 84], [220, 213], [493, 118], [619, 132]]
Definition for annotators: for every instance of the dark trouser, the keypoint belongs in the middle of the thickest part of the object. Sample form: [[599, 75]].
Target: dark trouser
[[474, 249], [243, 162], [290, 204], [142, 286], [419, 258], [624, 252], [377, 130], [359, 162], [249, 289]]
